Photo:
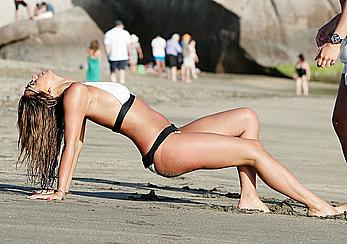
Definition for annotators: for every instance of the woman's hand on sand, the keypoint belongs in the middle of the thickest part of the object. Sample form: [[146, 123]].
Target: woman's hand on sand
[[327, 54], [57, 195]]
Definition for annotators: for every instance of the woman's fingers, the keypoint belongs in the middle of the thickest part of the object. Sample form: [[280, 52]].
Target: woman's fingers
[[45, 196], [327, 55]]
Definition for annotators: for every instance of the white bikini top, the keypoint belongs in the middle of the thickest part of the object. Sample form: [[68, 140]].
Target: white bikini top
[[120, 92]]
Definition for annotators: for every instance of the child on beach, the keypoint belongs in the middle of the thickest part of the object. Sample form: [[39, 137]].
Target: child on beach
[[93, 60]]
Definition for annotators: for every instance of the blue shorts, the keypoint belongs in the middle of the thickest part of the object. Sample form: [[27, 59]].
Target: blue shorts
[[118, 65], [161, 59]]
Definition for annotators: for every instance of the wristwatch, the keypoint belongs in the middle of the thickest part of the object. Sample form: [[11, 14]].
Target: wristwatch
[[336, 39]]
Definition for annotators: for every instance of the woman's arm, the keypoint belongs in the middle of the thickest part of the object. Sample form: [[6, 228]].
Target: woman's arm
[[329, 52], [76, 103], [76, 156], [75, 109], [139, 50]]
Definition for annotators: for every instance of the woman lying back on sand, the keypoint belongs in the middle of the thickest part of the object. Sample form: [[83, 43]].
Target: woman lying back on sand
[[53, 108]]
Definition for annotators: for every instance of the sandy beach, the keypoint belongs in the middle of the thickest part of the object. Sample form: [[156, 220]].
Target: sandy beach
[[114, 200]]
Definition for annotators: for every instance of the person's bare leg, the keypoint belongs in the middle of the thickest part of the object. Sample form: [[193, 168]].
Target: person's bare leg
[[183, 73], [244, 123], [122, 76], [298, 86], [174, 74], [186, 152], [194, 73], [158, 66], [187, 74], [163, 67], [113, 77], [305, 87], [339, 121]]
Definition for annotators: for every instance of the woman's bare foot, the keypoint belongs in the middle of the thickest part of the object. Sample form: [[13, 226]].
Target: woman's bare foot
[[324, 211], [253, 203], [342, 208]]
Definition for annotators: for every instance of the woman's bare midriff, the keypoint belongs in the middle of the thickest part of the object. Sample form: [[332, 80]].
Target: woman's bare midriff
[[142, 125]]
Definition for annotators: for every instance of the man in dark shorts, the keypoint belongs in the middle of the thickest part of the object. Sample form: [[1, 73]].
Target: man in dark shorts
[[117, 41], [17, 3], [173, 49]]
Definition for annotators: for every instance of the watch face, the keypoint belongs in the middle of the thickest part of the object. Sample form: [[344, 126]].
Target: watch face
[[335, 38]]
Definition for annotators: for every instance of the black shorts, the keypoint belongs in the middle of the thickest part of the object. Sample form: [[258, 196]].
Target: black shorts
[[172, 60], [17, 3], [120, 65]]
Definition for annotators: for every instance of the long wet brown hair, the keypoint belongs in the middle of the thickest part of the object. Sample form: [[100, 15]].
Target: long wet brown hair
[[41, 129]]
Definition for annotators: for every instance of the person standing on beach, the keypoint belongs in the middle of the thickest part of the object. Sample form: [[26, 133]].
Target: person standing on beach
[[158, 49], [329, 40], [93, 60], [195, 58], [17, 3], [117, 47], [302, 77], [173, 48], [135, 52]]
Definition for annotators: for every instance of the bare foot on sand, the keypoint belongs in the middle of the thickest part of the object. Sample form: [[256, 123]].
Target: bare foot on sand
[[342, 208], [324, 211], [253, 203]]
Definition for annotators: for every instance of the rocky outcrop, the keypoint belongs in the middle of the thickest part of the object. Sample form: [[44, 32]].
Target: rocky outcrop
[[62, 40], [233, 36], [275, 31]]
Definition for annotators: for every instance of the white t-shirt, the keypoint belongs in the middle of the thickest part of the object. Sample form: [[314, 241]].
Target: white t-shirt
[[117, 39], [158, 47]]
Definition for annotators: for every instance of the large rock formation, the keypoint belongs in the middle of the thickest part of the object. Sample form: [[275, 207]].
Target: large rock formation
[[275, 31], [232, 36], [62, 40]]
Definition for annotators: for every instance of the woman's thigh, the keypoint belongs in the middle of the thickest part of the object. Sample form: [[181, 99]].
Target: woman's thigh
[[232, 122], [185, 152]]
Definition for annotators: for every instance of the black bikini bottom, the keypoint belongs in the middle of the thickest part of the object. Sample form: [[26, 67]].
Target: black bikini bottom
[[123, 111], [148, 158]]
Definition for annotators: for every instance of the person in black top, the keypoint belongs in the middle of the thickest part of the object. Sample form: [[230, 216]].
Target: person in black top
[[302, 77]]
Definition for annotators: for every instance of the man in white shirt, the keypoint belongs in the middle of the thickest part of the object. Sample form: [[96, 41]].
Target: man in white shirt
[[117, 42], [158, 49]]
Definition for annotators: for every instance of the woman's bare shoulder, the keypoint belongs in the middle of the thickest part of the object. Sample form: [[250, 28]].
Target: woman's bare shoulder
[[76, 90]]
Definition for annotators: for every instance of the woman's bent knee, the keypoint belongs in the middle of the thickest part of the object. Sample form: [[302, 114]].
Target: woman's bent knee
[[250, 115]]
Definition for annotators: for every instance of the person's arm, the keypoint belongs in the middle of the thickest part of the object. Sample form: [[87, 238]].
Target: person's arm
[[308, 71], [107, 49], [76, 156], [178, 48], [107, 42], [75, 108], [98, 54], [328, 53], [139, 50]]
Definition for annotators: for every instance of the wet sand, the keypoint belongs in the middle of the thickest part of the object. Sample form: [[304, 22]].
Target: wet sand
[[114, 200]]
